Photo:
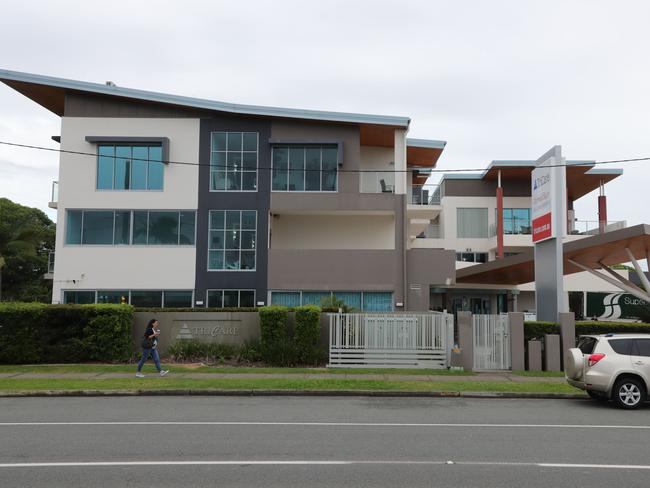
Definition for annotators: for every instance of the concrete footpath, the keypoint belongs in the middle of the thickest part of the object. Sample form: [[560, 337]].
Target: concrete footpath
[[169, 390]]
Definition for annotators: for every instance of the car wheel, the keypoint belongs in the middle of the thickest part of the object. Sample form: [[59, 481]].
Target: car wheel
[[597, 395], [629, 393]]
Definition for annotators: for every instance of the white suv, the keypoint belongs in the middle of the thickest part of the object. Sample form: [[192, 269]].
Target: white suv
[[615, 366]]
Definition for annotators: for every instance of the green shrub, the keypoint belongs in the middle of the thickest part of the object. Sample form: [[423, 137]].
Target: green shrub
[[584, 328], [537, 329], [276, 348], [307, 333], [207, 352], [40, 333]]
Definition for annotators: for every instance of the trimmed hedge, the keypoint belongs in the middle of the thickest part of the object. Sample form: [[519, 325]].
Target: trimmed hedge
[[194, 350], [276, 348], [539, 329], [39, 333], [307, 334]]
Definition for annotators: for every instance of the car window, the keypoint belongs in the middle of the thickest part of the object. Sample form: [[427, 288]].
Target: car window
[[622, 346], [642, 347], [586, 344]]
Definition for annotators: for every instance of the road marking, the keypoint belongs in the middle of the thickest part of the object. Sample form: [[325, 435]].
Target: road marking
[[452, 464], [318, 424]]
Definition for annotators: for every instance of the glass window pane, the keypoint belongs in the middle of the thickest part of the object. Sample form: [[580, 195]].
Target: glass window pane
[[280, 165], [471, 222], [248, 260], [140, 227], [79, 297], [507, 213], [232, 239], [232, 260], [140, 298], [105, 165], [286, 298], [249, 160], [350, 298], [163, 228], [249, 180], [246, 298], [250, 141], [248, 239], [187, 228], [641, 347], [123, 167], [218, 141], [215, 298], [156, 168], [296, 169], [329, 179], [330, 157], [481, 257], [178, 299], [111, 296], [217, 219], [98, 227], [314, 297], [312, 173], [139, 168], [377, 301], [218, 160], [217, 239], [218, 180], [234, 141], [73, 227], [248, 219], [122, 227], [233, 219], [231, 298], [233, 180], [215, 260], [521, 213], [234, 161]]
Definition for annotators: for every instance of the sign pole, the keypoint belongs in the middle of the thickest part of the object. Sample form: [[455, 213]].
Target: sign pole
[[548, 190]]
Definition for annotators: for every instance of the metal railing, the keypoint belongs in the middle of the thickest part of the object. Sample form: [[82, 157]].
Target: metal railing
[[432, 231], [593, 227], [516, 230], [377, 182], [425, 195]]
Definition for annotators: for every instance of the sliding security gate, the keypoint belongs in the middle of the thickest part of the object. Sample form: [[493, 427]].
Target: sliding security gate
[[491, 342], [393, 340]]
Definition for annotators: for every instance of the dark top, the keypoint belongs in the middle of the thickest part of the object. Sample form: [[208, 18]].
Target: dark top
[[148, 333]]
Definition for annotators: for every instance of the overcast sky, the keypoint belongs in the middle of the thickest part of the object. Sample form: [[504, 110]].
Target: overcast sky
[[495, 79]]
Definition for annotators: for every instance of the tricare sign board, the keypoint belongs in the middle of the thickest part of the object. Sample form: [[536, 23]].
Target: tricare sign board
[[543, 196]]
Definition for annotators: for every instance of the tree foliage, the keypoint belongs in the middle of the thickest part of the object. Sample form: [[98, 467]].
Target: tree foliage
[[26, 238]]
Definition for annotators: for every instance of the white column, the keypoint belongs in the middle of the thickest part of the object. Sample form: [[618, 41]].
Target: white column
[[400, 161]]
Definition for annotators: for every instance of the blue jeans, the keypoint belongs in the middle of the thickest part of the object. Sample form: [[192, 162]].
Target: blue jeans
[[145, 356]]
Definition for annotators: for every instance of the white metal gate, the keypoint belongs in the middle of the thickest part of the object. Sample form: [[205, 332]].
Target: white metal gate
[[394, 340], [491, 342]]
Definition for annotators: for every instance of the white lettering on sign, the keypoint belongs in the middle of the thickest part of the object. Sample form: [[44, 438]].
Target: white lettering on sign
[[215, 331]]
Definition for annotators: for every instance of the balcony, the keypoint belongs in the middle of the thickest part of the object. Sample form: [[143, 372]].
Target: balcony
[[50, 267], [593, 227], [377, 182], [54, 201], [425, 195]]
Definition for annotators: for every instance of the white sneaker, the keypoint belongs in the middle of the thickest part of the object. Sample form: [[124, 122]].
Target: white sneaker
[[139, 375], [163, 372]]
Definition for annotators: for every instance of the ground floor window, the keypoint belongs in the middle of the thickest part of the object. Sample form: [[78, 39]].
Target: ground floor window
[[137, 298], [231, 298], [472, 257], [366, 301]]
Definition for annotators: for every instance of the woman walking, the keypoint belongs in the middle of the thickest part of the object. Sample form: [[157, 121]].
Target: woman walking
[[150, 348]]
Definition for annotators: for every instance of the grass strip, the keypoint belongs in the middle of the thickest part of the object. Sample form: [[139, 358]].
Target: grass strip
[[187, 368], [170, 383]]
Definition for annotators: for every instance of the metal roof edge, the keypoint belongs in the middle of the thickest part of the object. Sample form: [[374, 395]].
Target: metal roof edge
[[203, 103], [426, 143]]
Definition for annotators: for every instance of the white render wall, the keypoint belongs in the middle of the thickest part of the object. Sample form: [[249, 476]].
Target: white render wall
[[124, 267]]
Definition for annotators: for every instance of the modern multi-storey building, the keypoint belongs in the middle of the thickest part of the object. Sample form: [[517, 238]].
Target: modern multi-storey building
[[468, 224], [173, 201]]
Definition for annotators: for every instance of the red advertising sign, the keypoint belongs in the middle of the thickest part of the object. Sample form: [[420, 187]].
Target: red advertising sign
[[542, 227]]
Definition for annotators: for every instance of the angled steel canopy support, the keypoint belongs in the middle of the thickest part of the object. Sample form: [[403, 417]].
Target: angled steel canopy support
[[617, 276], [632, 291], [639, 271]]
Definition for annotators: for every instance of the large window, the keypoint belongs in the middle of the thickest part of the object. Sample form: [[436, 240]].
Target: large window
[[472, 222], [129, 167], [137, 298], [232, 240], [472, 257], [233, 161], [367, 301], [516, 221], [231, 298], [305, 168], [125, 227]]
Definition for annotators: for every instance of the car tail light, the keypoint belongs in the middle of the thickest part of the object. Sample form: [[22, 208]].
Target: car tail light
[[594, 358]]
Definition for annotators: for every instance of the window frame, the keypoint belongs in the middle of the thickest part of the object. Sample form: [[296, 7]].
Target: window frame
[[334, 292], [129, 292], [305, 146], [222, 290], [225, 249], [116, 144], [242, 171]]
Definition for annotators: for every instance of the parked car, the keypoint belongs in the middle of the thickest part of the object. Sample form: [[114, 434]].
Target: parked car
[[611, 366]]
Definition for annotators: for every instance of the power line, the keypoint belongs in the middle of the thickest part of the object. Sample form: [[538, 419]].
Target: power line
[[339, 170]]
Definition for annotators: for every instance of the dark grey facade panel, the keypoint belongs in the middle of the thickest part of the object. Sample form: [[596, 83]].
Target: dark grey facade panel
[[485, 188], [88, 105], [229, 200]]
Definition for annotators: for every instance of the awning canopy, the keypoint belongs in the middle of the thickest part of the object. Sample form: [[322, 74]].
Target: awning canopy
[[607, 249]]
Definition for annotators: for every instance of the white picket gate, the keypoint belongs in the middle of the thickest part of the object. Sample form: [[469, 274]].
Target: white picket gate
[[491, 342], [394, 340]]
